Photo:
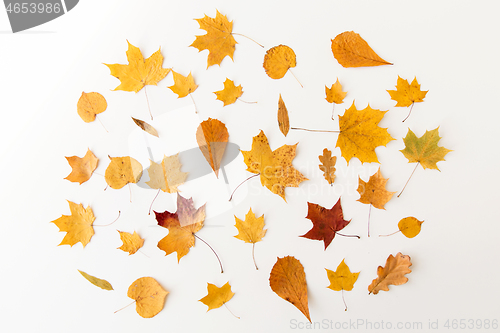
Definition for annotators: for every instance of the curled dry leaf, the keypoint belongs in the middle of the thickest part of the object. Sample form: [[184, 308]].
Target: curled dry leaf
[[212, 138], [374, 192], [89, 105], [410, 226], [131, 242], [230, 93], [78, 225], [328, 165], [103, 284], [82, 167], [393, 273], [216, 296], [407, 94], [183, 85], [278, 60], [335, 93], [424, 150], [351, 50], [149, 296], [145, 127], [166, 176], [283, 121], [122, 170]]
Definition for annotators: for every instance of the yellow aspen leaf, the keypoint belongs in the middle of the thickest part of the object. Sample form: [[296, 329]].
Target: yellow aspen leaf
[[166, 176], [218, 40], [360, 134], [283, 121], [139, 72], [351, 50], [328, 165], [288, 281], [373, 192], [149, 296], [212, 138], [393, 273], [103, 284], [335, 93], [407, 94], [424, 150], [274, 167], [145, 127], [122, 170], [230, 93], [278, 60], [342, 278], [410, 226], [131, 242], [82, 167], [216, 296], [89, 105], [78, 225], [183, 85]]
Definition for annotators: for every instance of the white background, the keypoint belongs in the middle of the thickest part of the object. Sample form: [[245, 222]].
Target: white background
[[450, 46]]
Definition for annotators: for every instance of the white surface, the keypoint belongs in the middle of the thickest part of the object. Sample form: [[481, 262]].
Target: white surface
[[450, 46]]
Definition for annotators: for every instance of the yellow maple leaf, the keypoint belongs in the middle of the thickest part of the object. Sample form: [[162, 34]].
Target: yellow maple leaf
[[278, 60], [393, 273], [78, 225], [407, 94], [328, 165], [183, 85], [342, 279], [149, 296], [131, 242], [373, 192], [230, 93], [139, 72], [351, 50], [166, 176], [251, 230], [122, 170], [424, 150], [275, 167], [82, 167], [360, 134], [335, 93], [89, 105], [216, 296], [218, 40]]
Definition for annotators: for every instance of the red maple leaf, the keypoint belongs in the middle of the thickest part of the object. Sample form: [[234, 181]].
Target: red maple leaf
[[326, 222]]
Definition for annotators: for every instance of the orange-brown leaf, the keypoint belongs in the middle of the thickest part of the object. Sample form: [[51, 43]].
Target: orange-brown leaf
[[393, 273], [278, 60], [328, 165], [89, 105], [283, 121], [212, 138], [374, 192], [82, 167], [145, 127], [351, 50]]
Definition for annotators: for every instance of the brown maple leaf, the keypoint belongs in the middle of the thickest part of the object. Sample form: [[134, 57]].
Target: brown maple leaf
[[373, 192]]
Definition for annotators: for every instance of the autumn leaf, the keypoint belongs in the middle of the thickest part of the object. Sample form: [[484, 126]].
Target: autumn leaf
[[166, 176], [145, 127], [274, 167], [230, 93], [218, 40], [373, 192], [288, 281], [407, 94], [283, 121], [410, 226], [251, 230], [351, 50], [278, 60], [335, 93], [103, 284], [424, 150], [89, 105], [131, 242], [78, 225], [326, 222], [212, 138], [82, 167], [122, 170], [328, 165], [149, 296], [216, 296], [360, 134], [183, 85], [393, 273], [342, 279], [139, 72]]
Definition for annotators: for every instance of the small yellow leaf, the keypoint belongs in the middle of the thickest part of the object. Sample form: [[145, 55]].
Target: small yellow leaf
[[122, 170], [410, 226], [283, 121], [149, 296], [335, 93], [82, 168], [342, 278], [145, 127], [328, 165], [216, 296], [407, 94], [131, 242], [78, 225], [278, 60], [230, 93], [166, 176], [251, 230], [89, 105], [183, 85], [351, 50], [103, 284]]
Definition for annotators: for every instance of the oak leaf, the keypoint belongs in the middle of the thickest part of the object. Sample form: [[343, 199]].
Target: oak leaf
[[410, 226], [283, 121], [342, 278], [89, 105], [212, 138], [275, 167], [328, 165], [373, 192], [122, 170], [182, 225], [216, 296], [166, 176], [82, 167], [183, 85], [424, 150], [131, 242], [278, 60], [149, 296], [288, 281], [393, 273], [251, 230], [230, 93], [78, 225], [326, 222], [218, 40], [351, 50], [360, 134], [145, 127], [139, 72], [335, 93], [407, 94], [103, 284]]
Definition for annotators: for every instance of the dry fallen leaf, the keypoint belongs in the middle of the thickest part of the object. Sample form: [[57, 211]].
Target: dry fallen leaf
[[288, 281], [89, 105], [122, 170], [82, 167], [393, 273], [351, 50], [212, 138], [78, 225], [373, 192], [360, 134], [218, 40], [131, 242], [139, 72], [410, 226], [103, 284], [328, 165], [342, 279], [251, 230], [166, 176], [216, 296], [335, 93], [275, 167], [283, 121], [145, 127], [183, 85], [407, 94], [424, 150], [149, 296], [230, 93], [278, 60]]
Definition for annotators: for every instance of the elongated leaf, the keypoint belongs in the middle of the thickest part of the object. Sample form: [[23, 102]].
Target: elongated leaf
[[96, 281], [145, 127]]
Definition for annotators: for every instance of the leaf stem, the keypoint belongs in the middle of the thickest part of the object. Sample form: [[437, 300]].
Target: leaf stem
[[395, 232], [97, 116], [409, 179], [295, 77], [147, 100], [369, 213], [230, 311], [253, 256], [242, 184], [195, 108], [313, 130], [130, 191], [105, 225], [237, 34], [411, 108], [125, 306], [333, 110], [151, 206], [239, 99], [344, 300], [220, 263], [347, 235]]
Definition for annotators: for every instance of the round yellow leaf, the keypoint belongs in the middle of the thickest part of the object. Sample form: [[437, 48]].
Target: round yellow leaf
[[149, 296], [89, 105], [122, 170], [278, 60], [410, 226]]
